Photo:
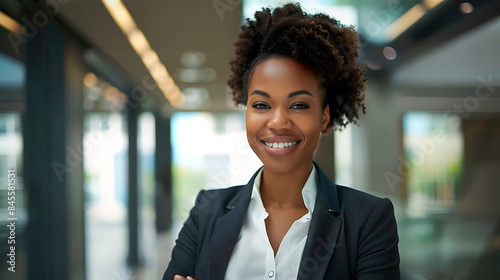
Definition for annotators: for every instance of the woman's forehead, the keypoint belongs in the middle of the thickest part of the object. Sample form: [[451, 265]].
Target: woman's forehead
[[283, 69], [283, 75]]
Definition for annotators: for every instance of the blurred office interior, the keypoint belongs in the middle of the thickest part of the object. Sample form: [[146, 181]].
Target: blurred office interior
[[115, 113]]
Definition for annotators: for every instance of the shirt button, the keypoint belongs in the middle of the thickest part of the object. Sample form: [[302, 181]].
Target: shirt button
[[270, 274]]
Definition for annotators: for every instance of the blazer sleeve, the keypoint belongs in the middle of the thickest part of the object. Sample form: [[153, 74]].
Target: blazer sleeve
[[378, 255], [184, 253]]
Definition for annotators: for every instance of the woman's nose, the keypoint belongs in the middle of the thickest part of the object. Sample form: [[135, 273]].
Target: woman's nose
[[279, 120]]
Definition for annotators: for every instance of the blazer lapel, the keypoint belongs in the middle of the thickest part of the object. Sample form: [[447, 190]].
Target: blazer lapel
[[321, 241], [323, 231], [227, 230]]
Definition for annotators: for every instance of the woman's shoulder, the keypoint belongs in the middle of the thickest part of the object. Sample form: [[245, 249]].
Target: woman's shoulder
[[222, 192], [350, 198], [217, 197], [363, 212]]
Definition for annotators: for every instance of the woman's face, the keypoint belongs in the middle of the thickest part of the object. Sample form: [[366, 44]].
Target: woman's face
[[285, 116]]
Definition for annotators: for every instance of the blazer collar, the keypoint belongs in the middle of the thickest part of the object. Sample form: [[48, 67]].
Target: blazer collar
[[321, 239], [327, 191], [323, 231], [242, 198], [227, 230]]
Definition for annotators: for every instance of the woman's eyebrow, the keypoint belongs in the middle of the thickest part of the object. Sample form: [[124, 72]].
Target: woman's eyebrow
[[260, 92], [299, 92], [295, 93]]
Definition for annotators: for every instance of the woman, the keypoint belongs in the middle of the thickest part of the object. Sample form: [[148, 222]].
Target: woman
[[298, 76]]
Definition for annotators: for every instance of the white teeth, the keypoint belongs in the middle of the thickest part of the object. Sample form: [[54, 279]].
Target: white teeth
[[280, 145]]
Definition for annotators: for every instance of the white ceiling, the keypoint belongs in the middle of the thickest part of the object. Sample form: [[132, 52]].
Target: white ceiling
[[172, 27]]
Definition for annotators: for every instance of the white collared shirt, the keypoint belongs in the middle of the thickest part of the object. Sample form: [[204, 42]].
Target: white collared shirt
[[253, 257]]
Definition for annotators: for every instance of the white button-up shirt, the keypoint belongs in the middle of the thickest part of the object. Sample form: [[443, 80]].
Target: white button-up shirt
[[253, 257]]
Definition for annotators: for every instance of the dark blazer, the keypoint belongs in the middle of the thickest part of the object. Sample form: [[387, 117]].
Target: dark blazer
[[352, 235]]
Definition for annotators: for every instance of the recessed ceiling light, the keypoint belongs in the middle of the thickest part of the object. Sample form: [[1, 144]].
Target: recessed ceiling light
[[90, 80], [193, 59], [466, 8], [390, 53], [189, 75], [196, 97]]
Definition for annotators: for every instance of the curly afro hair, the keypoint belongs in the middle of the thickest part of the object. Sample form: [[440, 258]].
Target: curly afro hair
[[329, 48]]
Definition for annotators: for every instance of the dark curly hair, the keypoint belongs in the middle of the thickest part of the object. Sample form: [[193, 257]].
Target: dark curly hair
[[322, 43]]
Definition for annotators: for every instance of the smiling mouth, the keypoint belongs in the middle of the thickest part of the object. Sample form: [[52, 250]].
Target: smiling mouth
[[279, 145]]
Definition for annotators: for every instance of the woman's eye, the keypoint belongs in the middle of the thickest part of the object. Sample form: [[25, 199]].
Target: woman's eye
[[300, 106], [260, 106]]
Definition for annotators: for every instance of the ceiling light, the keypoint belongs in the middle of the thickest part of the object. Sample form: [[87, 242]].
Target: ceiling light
[[208, 75], [404, 22], [389, 53], [466, 8], [142, 47], [196, 97], [193, 59], [90, 80], [374, 65], [138, 41], [160, 74], [120, 14], [115, 96], [150, 58], [10, 24], [432, 3], [189, 75]]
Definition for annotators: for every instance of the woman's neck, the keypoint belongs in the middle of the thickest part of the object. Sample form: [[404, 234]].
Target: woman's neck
[[284, 190]]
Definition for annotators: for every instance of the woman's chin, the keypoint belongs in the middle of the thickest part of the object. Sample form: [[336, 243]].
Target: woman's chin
[[282, 166]]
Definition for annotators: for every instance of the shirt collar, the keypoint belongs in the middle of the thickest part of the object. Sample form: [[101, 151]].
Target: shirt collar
[[309, 191]]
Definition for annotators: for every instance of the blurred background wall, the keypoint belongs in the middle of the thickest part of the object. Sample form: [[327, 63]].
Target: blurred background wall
[[114, 114]]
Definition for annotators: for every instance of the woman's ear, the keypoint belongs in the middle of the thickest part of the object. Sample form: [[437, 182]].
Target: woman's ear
[[326, 118]]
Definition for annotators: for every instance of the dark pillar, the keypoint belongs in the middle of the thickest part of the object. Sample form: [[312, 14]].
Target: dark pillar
[[133, 184], [53, 156], [163, 174], [324, 155]]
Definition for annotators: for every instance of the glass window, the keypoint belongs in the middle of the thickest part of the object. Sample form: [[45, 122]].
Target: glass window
[[433, 152], [450, 166], [105, 182], [343, 156], [210, 150], [147, 147]]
